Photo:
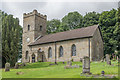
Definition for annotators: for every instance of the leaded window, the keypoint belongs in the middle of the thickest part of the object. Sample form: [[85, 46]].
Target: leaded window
[[61, 51], [49, 52], [73, 50]]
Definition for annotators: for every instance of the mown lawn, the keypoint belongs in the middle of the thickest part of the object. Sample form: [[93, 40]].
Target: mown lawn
[[44, 70]]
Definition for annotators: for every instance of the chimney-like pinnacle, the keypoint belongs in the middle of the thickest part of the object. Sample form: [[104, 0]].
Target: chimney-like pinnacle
[[35, 11]]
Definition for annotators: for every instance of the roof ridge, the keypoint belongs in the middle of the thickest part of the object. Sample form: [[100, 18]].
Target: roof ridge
[[71, 30]]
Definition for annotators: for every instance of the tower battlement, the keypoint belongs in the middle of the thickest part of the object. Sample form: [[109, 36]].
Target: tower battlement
[[34, 13]]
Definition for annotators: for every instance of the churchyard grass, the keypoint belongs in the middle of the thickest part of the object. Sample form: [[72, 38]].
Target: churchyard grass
[[44, 70]]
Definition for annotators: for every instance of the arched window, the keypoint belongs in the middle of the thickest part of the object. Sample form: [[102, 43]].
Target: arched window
[[28, 27], [26, 55], [61, 51], [50, 52], [73, 50], [40, 28]]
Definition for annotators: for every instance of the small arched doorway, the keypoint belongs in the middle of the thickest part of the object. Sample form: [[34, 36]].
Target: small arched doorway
[[33, 58]]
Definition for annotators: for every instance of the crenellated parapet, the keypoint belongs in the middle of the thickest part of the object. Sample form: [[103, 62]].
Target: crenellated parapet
[[34, 13]]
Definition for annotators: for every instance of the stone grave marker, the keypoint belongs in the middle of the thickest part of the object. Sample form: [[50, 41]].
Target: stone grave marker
[[86, 64], [108, 59], [69, 63], [7, 67], [109, 62], [102, 59], [16, 66], [117, 58]]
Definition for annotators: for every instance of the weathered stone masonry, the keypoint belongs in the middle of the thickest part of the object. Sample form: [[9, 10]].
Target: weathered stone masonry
[[36, 43]]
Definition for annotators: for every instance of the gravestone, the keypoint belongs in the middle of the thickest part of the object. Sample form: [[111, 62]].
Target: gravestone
[[108, 59], [102, 59], [7, 67], [80, 59], [109, 62], [86, 64], [117, 58], [69, 63], [16, 66]]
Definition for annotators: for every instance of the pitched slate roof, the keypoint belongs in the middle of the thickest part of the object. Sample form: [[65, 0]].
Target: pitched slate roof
[[66, 35]]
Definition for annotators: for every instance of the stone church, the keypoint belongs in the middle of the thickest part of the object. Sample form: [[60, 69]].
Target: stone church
[[61, 46]]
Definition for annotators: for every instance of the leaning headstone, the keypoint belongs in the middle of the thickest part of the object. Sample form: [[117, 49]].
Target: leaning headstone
[[16, 66], [69, 63], [86, 64], [108, 59], [7, 67]]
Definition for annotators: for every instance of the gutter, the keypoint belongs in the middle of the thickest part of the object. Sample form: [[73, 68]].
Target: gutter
[[89, 47], [55, 54]]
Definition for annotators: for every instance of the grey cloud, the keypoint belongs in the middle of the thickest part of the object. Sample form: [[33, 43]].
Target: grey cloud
[[55, 10]]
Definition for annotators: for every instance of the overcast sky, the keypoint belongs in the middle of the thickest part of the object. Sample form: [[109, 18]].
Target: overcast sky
[[55, 10]]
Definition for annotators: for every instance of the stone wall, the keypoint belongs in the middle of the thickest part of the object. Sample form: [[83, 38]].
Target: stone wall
[[81, 50], [27, 34], [35, 20], [97, 46]]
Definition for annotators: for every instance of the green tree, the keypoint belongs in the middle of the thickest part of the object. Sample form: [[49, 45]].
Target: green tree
[[117, 32], [107, 21], [72, 20], [10, 38], [91, 18], [53, 26]]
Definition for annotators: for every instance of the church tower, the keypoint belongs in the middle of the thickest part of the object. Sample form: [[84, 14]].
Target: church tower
[[34, 26]]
